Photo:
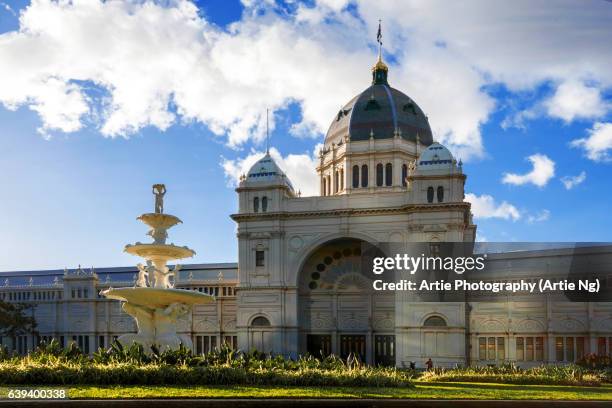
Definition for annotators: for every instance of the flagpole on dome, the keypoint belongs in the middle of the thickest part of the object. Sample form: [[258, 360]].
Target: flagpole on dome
[[379, 40], [267, 131], [380, 69]]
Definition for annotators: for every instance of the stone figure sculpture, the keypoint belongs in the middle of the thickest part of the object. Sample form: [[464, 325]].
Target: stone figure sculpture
[[141, 281], [159, 190], [165, 324], [145, 325], [159, 235]]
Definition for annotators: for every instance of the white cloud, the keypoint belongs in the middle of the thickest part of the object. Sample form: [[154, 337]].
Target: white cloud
[[160, 63], [570, 182], [541, 216], [598, 143], [484, 206], [573, 99], [299, 168], [543, 170]]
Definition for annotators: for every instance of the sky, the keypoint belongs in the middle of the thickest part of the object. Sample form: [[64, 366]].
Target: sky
[[100, 100]]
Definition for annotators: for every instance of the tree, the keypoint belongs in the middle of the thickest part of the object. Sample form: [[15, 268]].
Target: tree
[[15, 319]]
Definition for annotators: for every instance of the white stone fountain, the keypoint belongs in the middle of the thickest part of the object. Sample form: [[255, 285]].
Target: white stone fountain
[[153, 302]]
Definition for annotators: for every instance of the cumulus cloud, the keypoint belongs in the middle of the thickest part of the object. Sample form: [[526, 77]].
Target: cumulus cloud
[[574, 99], [159, 63], [543, 170], [540, 216], [484, 206], [598, 143], [570, 182], [299, 168]]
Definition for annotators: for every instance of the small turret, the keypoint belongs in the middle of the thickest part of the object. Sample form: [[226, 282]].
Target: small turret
[[264, 187]]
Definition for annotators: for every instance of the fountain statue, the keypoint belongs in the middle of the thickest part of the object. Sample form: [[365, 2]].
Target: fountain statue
[[153, 301]]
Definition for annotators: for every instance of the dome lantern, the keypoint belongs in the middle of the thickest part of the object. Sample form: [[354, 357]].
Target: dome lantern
[[379, 72]]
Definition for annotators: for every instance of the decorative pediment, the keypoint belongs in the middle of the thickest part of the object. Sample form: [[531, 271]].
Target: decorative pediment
[[529, 326], [205, 325], [491, 325], [124, 325], [568, 325], [230, 326], [604, 324]]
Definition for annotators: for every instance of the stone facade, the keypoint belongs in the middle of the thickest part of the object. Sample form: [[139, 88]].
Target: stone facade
[[299, 285]]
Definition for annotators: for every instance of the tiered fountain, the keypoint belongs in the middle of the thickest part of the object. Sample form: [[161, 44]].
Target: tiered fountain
[[153, 302]]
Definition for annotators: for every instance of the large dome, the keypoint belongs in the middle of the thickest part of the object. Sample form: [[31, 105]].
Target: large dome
[[380, 111]]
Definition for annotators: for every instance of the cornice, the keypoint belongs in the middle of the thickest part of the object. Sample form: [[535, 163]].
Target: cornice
[[459, 176], [349, 212]]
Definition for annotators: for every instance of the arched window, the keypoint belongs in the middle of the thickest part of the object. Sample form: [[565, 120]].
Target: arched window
[[260, 321], [256, 204], [404, 175], [336, 181], [341, 179], [434, 321], [329, 185], [355, 176], [388, 174], [264, 204], [440, 194], [430, 194], [260, 335], [324, 186], [364, 175], [379, 174]]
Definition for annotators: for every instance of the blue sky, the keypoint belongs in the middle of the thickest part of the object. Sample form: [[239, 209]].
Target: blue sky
[[90, 118]]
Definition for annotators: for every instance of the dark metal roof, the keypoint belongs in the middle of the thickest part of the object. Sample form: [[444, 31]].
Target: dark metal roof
[[114, 274], [380, 110]]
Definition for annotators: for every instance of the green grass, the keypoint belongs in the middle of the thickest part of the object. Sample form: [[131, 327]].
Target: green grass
[[423, 390]]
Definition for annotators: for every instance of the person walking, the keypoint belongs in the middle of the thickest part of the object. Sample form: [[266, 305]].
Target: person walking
[[429, 364]]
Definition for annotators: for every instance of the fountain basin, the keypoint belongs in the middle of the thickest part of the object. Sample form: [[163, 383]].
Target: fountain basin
[[159, 251], [157, 220], [153, 298]]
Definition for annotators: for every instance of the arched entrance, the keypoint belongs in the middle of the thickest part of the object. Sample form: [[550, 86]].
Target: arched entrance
[[338, 310]]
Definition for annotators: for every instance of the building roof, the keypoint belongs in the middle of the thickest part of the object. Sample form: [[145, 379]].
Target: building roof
[[266, 172], [208, 271], [379, 112], [436, 156]]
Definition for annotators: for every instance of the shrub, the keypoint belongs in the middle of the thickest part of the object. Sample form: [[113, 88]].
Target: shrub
[[596, 361], [512, 374], [131, 365]]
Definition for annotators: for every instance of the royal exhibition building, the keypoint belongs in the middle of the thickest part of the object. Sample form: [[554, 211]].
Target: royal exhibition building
[[299, 285]]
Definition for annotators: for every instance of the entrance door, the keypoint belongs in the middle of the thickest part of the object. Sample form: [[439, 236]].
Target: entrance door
[[384, 350], [318, 345], [353, 344]]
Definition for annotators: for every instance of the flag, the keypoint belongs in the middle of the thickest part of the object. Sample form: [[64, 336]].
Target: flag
[[379, 34]]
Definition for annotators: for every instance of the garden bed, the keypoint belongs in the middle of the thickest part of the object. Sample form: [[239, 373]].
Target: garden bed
[[510, 374], [118, 366]]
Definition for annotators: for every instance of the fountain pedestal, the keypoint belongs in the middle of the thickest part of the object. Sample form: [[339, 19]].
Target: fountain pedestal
[[153, 302]]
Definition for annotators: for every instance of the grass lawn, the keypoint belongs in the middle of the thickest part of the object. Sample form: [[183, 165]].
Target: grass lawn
[[422, 390]]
